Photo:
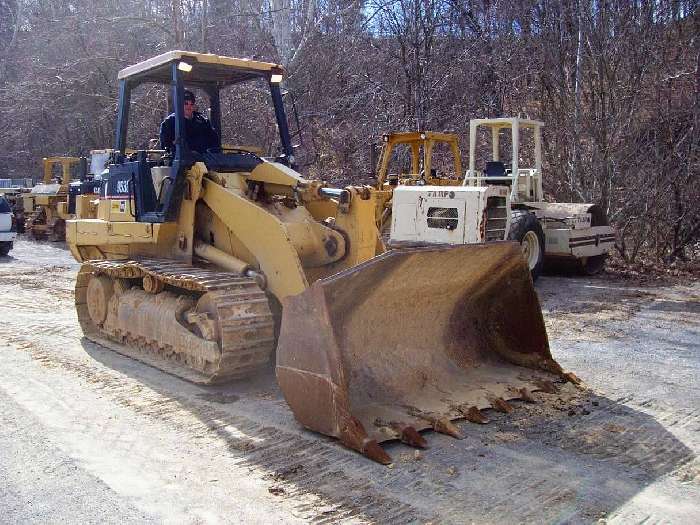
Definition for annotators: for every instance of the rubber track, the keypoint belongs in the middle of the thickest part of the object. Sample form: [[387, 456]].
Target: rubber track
[[246, 341]]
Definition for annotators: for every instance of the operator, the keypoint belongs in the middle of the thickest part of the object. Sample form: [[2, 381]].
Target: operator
[[199, 133]]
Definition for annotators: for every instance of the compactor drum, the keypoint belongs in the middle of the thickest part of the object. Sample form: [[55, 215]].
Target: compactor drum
[[202, 263]]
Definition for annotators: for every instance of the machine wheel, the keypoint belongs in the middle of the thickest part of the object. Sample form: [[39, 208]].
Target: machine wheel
[[593, 265], [99, 292], [386, 229], [526, 229], [5, 248], [58, 232]]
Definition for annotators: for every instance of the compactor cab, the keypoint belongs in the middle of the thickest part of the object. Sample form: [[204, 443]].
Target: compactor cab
[[524, 184], [548, 231], [203, 264]]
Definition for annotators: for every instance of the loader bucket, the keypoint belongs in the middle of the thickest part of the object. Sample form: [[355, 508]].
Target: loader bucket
[[413, 339]]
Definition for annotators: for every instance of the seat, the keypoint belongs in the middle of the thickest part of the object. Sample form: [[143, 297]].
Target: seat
[[496, 169], [232, 162]]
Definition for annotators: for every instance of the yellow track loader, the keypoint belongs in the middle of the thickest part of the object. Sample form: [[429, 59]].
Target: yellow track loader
[[202, 263], [51, 202], [46, 205]]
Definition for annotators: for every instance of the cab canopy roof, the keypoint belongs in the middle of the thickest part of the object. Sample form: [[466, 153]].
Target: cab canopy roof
[[201, 69], [506, 122], [407, 137]]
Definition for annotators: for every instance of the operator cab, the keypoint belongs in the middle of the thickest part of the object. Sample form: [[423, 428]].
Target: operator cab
[[422, 158], [155, 181], [525, 183]]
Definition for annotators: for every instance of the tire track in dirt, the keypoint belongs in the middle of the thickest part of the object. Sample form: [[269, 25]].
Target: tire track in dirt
[[38, 302], [300, 465], [325, 466], [19, 332], [66, 330], [685, 418], [540, 501], [38, 306], [685, 422], [32, 290], [610, 431], [329, 484]]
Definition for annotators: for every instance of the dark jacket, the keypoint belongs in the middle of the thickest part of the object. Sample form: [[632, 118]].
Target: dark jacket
[[199, 134]]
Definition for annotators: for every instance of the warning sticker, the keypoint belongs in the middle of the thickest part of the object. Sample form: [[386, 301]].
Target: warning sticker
[[119, 205]]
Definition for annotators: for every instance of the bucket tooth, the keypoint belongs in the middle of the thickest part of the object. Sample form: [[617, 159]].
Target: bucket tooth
[[501, 405], [445, 426], [405, 432], [546, 386], [375, 452], [439, 424], [409, 435], [354, 436], [526, 395], [474, 415], [571, 378]]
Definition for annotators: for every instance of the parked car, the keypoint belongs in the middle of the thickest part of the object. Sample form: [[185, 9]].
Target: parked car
[[7, 230]]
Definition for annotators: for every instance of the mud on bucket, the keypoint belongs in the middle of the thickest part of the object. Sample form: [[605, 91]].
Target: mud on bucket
[[411, 340]]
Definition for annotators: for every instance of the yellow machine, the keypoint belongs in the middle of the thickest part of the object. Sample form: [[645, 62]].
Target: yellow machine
[[46, 206], [422, 147], [202, 263]]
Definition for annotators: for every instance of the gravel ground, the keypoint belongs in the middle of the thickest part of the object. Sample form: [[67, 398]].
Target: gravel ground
[[88, 435]]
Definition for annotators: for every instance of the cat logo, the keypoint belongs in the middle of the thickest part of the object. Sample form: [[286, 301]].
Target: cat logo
[[122, 186]]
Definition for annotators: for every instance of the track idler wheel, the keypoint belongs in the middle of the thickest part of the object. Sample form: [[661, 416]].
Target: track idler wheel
[[99, 292], [152, 285]]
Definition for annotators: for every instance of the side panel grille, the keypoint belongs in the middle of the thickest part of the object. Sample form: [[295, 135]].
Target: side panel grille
[[496, 218], [444, 218]]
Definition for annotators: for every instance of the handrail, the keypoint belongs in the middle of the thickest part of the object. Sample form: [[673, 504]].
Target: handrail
[[528, 186]]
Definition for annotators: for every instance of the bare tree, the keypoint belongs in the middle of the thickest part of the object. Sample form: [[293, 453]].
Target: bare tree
[[617, 84]]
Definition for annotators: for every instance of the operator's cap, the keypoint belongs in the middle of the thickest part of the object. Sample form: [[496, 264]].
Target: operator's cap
[[189, 95]]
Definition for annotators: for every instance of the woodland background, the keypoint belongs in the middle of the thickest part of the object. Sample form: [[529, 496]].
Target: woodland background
[[617, 84]]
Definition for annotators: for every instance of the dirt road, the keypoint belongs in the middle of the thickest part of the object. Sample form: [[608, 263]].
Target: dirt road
[[87, 435]]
